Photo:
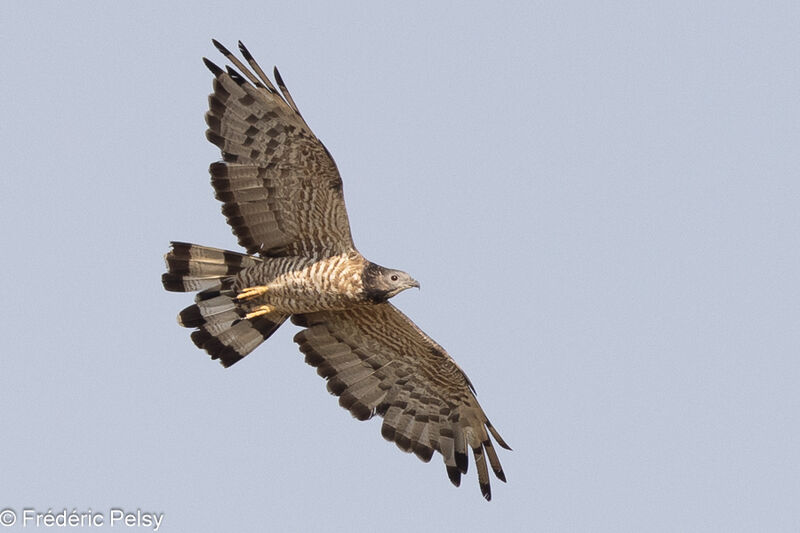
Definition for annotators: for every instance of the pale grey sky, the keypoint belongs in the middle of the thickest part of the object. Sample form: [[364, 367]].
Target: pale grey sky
[[601, 201]]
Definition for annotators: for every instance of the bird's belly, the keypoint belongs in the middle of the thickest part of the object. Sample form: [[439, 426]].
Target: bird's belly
[[302, 301], [322, 286]]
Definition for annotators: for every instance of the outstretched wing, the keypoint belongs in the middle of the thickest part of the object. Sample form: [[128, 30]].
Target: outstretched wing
[[280, 187], [378, 361]]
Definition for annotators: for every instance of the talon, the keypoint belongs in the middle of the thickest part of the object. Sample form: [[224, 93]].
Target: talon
[[252, 292], [258, 311]]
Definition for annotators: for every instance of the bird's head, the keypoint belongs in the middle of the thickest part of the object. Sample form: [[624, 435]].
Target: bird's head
[[381, 283]]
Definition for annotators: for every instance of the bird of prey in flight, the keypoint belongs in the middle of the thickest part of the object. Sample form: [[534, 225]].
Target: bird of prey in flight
[[282, 195]]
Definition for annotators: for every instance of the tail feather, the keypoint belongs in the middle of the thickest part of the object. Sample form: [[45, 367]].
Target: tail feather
[[191, 267], [231, 343], [218, 316], [223, 305]]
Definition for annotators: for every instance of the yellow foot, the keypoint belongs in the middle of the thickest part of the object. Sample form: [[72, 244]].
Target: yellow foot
[[252, 292], [258, 311]]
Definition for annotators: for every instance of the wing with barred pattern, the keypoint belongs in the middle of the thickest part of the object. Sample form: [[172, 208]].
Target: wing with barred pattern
[[379, 362], [280, 188]]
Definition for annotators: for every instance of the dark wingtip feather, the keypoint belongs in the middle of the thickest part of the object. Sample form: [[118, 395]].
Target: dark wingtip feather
[[494, 461], [229, 358], [425, 453], [212, 67], [278, 76], [454, 474], [497, 436], [245, 52], [221, 47], [462, 462], [214, 138], [387, 432], [218, 169], [486, 490], [238, 78]]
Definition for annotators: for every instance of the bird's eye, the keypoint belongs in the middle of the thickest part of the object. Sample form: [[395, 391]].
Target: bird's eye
[[394, 277]]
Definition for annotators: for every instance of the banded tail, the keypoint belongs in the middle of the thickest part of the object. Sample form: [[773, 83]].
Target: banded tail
[[222, 330]]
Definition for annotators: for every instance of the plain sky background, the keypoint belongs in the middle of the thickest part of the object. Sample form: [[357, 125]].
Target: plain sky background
[[601, 201]]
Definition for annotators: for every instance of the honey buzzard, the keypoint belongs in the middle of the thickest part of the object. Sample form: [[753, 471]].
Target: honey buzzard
[[282, 195]]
